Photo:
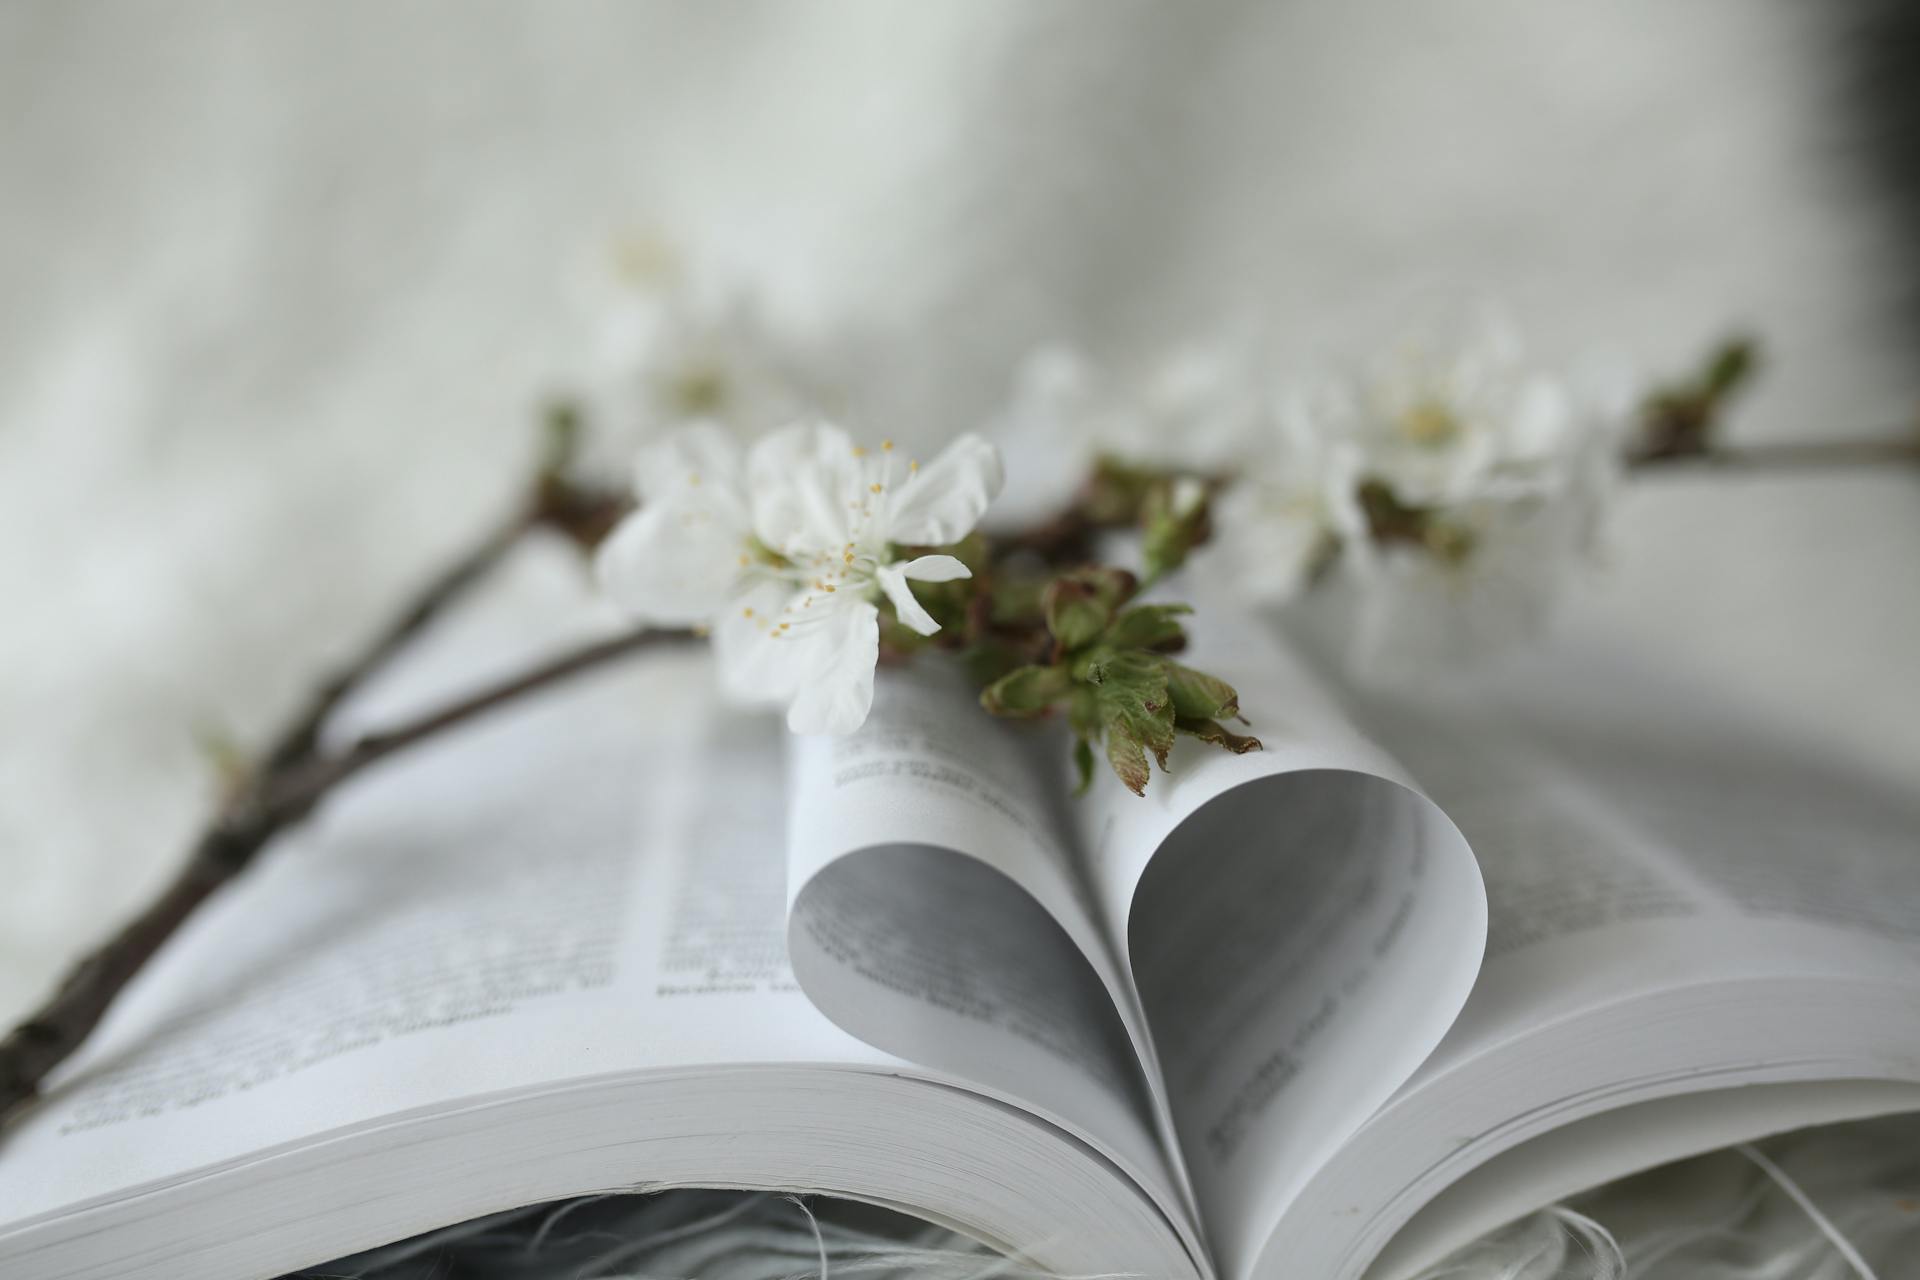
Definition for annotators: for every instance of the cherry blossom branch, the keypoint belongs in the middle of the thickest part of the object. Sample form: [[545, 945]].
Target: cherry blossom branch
[[1786, 456], [1680, 423], [292, 774], [281, 796], [295, 772], [1081, 646]]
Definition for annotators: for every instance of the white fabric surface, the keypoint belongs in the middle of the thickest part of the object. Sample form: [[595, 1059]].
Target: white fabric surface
[[279, 284]]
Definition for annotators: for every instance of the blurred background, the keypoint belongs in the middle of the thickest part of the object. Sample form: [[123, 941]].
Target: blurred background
[[281, 286]]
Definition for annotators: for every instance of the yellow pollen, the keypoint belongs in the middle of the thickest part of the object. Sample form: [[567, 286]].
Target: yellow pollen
[[785, 625], [829, 586], [886, 446], [859, 452], [912, 465], [875, 488], [693, 478], [745, 559], [1430, 423], [747, 612]]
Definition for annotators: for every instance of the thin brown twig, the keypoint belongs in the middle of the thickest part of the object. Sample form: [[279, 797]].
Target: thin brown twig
[[298, 740], [277, 800], [295, 793], [1786, 456], [291, 775]]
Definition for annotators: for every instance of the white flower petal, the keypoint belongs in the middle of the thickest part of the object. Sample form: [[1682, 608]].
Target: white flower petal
[[673, 563], [942, 501], [893, 580], [703, 455], [801, 479], [1542, 420], [1045, 436], [759, 666], [935, 569], [837, 689], [1269, 536]]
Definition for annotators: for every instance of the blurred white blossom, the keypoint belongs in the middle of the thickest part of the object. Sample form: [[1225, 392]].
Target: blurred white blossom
[[665, 346], [1449, 486], [1047, 432], [1289, 511], [1454, 414], [1484, 482], [785, 551], [1200, 408]]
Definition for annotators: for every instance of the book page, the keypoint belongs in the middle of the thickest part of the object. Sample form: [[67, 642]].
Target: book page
[[938, 911], [1302, 926], [551, 893], [1620, 815], [1683, 899]]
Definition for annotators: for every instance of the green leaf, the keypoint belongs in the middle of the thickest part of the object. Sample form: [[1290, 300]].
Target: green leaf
[[1199, 696], [1149, 626], [1174, 520], [1128, 760], [1026, 691], [1218, 734], [1082, 765], [1083, 712], [1074, 616], [1729, 367], [1135, 701]]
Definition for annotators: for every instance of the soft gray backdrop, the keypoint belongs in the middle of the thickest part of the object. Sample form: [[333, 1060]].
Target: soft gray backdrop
[[279, 283]]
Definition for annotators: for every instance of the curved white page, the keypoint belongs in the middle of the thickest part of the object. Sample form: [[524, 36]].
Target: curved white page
[[1303, 926], [937, 912], [1286, 934], [1685, 897]]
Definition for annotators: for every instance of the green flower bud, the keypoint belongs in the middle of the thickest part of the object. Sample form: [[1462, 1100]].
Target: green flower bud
[[1199, 696], [1026, 691], [1149, 626], [1080, 605]]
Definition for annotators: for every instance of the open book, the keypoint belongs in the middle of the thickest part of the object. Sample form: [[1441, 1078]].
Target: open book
[[1324, 1010]]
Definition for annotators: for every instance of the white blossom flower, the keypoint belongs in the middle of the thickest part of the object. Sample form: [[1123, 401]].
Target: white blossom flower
[[1508, 468], [1455, 415], [683, 555], [786, 553], [1288, 513], [664, 347], [1201, 408], [1046, 432]]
